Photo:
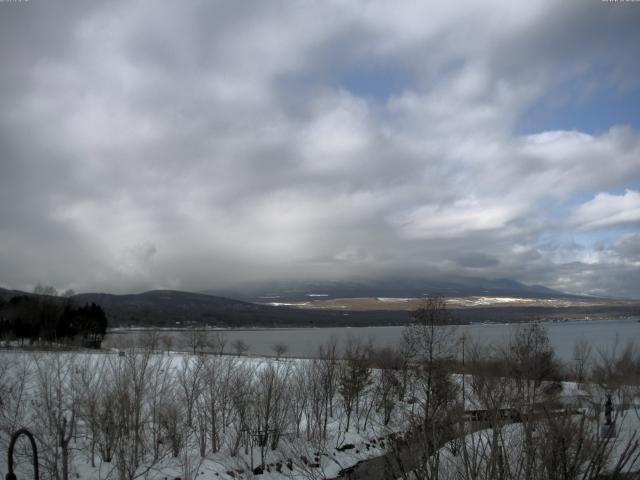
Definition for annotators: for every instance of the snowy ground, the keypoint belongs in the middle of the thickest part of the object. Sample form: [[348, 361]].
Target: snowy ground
[[294, 458], [477, 446]]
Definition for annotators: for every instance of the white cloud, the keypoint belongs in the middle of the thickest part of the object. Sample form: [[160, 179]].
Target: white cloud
[[461, 218], [607, 210]]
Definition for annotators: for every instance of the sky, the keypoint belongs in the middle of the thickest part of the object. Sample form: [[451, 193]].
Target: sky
[[197, 144]]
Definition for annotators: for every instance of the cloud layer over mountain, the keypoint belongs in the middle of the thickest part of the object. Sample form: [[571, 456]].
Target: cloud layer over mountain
[[196, 144]]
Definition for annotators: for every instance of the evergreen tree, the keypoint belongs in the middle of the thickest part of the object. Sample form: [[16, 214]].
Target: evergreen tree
[[44, 319]]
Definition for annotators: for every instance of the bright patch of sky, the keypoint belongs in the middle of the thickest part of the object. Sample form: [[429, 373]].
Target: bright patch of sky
[[594, 112]]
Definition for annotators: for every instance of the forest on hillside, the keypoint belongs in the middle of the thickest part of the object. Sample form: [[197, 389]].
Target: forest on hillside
[[52, 320]]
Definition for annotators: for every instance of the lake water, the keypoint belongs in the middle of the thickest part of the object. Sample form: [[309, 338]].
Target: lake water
[[304, 342]]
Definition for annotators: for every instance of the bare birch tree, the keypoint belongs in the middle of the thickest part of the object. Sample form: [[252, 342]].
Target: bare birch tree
[[56, 411]]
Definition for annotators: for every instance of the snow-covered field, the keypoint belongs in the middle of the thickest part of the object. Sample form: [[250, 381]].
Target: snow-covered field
[[319, 301], [473, 453], [174, 415], [229, 399]]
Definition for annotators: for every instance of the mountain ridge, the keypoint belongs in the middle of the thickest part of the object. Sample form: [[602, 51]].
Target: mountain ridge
[[400, 287], [178, 309]]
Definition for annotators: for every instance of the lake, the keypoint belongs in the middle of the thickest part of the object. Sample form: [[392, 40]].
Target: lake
[[603, 334]]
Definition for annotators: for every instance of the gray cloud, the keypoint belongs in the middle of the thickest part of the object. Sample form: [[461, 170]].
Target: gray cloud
[[198, 144], [477, 260]]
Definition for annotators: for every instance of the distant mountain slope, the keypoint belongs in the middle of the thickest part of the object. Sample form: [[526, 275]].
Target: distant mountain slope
[[177, 309], [174, 308], [164, 308], [389, 287], [167, 308], [7, 294]]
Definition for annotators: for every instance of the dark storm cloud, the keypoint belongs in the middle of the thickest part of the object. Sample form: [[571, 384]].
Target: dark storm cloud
[[190, 145]]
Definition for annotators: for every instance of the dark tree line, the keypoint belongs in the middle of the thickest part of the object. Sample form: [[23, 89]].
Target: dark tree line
[[50, 319]]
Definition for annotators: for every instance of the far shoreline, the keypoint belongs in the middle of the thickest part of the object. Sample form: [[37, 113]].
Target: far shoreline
[[206, 328]]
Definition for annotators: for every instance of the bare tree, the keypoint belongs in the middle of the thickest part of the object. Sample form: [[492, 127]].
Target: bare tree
[[354, 378], [328, 355], [317, 405], [532, 362], [240, 347], [173, 430], [430, 344], [160, 390], [151, 341], [617, 372], [390, 366], [299, 384], [196, 339], [108, 427], [272, 403], [15, 378], [581, 359], [279, 349], [216, 342], [91, 374], [190, 384], [190, 464], [167, 342], [491, 393], [214, 403], [130, 374], [242, 393], [56, 412], [431, 335]]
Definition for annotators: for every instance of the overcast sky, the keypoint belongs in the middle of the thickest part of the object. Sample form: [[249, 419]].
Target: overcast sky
[[195, 144]]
